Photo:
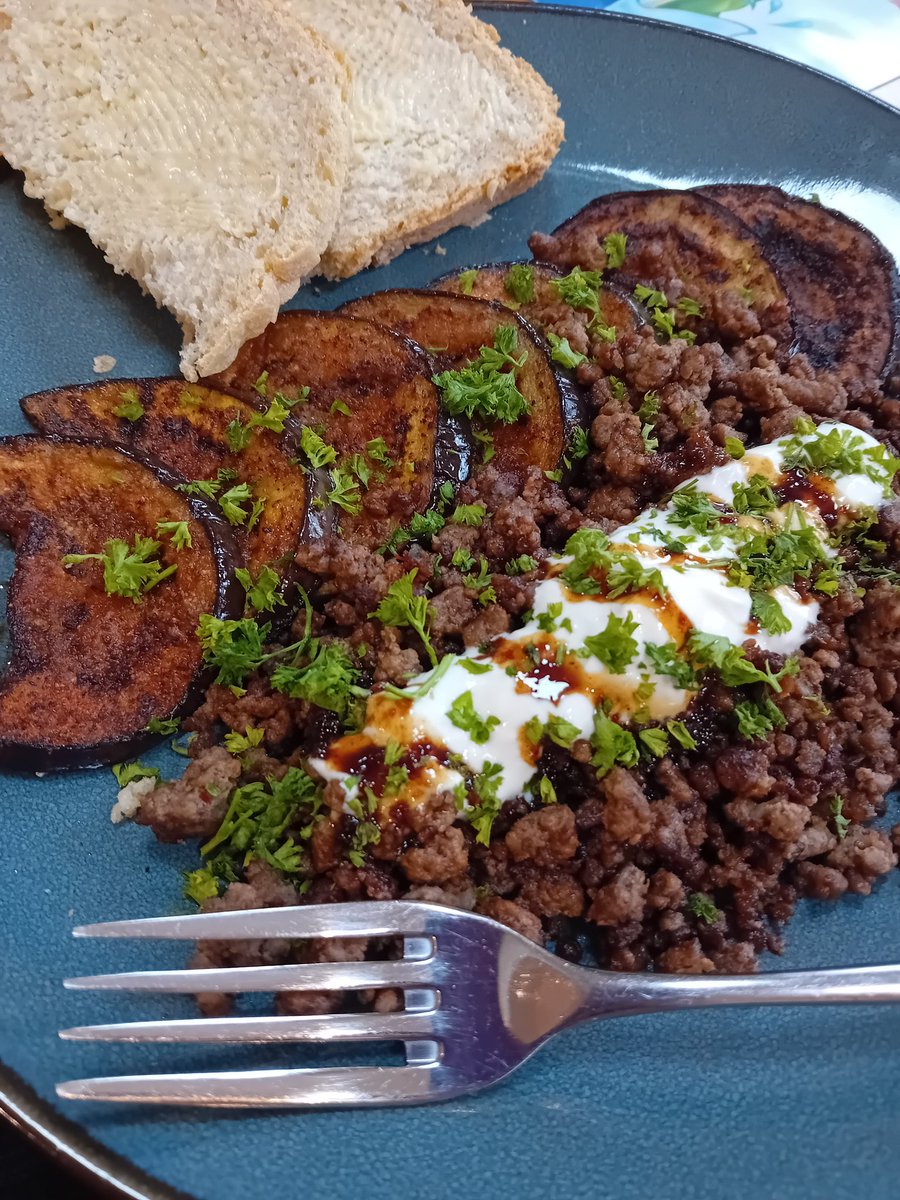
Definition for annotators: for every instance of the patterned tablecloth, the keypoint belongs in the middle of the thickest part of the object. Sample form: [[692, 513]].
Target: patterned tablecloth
[[856, 40]]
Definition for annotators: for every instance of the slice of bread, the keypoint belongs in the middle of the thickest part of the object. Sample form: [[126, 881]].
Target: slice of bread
[[445, 123], [202, 144]]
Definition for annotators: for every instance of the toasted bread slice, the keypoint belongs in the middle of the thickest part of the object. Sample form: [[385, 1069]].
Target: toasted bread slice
[[202, 144], [445, 123]]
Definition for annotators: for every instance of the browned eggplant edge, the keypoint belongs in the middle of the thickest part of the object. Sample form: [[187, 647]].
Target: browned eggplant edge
[[454, 433], [230, 599], [310, 526]]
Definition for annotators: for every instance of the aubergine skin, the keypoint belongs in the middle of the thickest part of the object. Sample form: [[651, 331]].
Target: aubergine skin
[[89, 670], [841, 282], [385, 383], [185, 427], [684, 240], [453, 329]]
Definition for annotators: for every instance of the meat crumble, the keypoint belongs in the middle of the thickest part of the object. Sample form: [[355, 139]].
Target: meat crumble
[[693, 862]]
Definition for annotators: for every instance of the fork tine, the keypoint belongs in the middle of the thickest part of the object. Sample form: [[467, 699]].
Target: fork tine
[[337, 1027], [291, 977], [301, 1088], [367, 919]]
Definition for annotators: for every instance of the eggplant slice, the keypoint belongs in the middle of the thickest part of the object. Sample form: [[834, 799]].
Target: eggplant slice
[[841, 282], [681, 243], [492, 282], [453, 329], [88, 670], [365, 383], [185, 427]]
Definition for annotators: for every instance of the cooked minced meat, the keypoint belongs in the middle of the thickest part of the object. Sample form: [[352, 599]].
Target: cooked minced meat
[[691, 862]]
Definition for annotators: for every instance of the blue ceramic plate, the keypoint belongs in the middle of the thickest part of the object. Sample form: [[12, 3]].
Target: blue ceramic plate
[[786, 1104]]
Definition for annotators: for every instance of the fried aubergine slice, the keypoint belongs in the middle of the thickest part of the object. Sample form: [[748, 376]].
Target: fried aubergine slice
[[198, 433], [90, 666], [841, 282], [527, 288], [685, 246], [370, 415], [454, 330]]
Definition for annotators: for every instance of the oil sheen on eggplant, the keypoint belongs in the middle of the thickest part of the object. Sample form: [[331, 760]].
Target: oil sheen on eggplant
[[89, 670]]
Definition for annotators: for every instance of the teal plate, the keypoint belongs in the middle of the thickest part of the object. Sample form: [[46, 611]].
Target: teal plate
[[737, 1104]]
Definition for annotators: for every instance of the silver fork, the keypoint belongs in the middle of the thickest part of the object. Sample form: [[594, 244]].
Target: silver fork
[[479, 1001]]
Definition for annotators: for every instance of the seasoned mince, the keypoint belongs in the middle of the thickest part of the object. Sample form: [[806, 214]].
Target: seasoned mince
[[695, 779]]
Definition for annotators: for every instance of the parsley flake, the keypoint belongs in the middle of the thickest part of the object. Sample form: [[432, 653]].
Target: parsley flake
[[129, 571], [462, 714]]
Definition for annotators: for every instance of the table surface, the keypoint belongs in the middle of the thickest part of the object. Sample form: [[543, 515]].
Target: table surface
[[855, 40]]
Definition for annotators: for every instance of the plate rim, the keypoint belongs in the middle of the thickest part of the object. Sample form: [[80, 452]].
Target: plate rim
[[63, 1140]]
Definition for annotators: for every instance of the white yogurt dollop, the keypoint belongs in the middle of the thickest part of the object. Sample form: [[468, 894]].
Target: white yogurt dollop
[[473, 717]]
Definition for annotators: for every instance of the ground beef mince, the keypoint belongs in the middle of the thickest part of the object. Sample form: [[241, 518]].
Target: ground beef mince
[[693, 862]]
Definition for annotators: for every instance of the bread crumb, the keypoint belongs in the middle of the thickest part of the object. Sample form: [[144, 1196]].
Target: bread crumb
[[440, 250], [129, 799], [103, 363]]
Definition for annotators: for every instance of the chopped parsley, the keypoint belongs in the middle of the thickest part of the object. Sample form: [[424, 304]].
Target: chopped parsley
[[481, 582], [462, 714], [340, 406], [268, 821], [427, 524], [519, 282], [754, 498], [615, 647], [612, 745], [655, 741], [578, 447], [179, 533], [164, 726], [735, 669], [841, 823], [562, 732], [239, 435], [469, 514], [648, 437], [690, 308], [561, 352], [580, 289], [234, 648], [768, 613], [546, 791], [486, 388], [377, 451], [240, 743], [130, 408], [329, 679], [839, 452], [462, 559], [703, 908], [734, 448], [649, 410], [651, 297], [262, 595], [466, 281], [401, 608], [129, 571], [317, 451], [666, 661], [757, 718], [614, 247], [344, 491], [485, 440], [521, 565], [126, 773], [486, 786], [680, 733]]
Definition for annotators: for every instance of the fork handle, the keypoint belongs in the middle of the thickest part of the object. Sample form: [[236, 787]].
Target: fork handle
[[613, 994]]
